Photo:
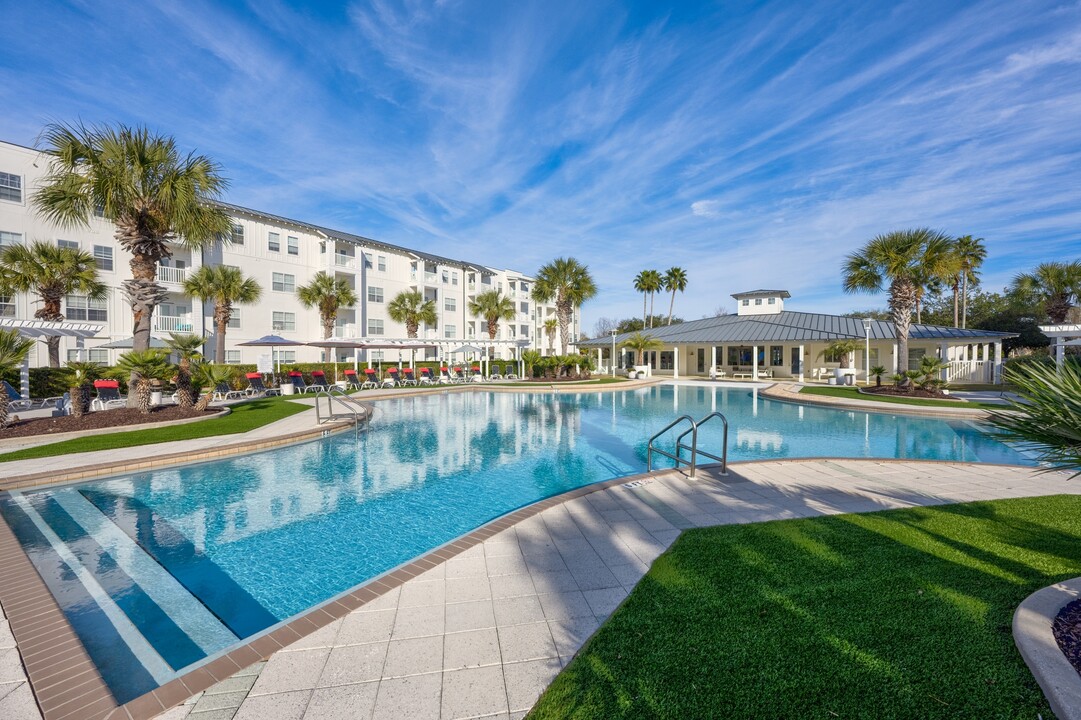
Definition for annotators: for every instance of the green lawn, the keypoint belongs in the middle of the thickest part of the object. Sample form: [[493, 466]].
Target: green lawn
[[244, 417], [854, 394], [897, 614]]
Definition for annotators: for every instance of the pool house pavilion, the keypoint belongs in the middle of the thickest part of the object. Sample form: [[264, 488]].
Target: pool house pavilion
[[765, 341]]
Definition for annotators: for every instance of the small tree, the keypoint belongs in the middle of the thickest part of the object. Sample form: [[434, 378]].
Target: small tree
[[930, 373], [841, 349], [209, 376], [81, 375], [569, 283], [145, 366], [188, 348], [411, 309], [13, 351], [877, 371], [328, 294], [530, 358], [493, 307], [640, 343], [1047, 415], [225, 286]]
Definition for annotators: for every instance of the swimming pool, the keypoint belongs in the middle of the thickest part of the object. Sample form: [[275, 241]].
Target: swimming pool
[[158, 571]]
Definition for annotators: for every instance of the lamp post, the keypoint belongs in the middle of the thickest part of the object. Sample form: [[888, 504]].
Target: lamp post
[[867, 351], [612, 360]]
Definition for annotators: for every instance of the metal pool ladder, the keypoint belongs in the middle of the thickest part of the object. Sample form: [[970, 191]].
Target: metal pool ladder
[[693, 447], [334, 396]]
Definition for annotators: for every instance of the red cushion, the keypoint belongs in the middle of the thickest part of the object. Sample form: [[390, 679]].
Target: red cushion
[[369, 371], [294, 373], [107, 384], [350, 372], [252, 376], [318, 373]]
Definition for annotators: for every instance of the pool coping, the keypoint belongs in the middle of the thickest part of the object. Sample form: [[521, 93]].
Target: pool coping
[[68, 686], [1035, 640]]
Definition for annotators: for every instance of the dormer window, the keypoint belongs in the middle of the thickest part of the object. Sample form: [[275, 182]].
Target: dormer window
[[746, 303], [758, 301], [773, 301]]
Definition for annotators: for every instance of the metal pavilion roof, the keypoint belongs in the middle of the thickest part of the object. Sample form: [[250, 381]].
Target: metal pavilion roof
[[789, 326]]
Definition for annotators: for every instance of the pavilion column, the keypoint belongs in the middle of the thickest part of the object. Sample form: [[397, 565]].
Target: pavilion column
[[600, 359], [996, 369], [675, 362], [754, 364], [799, 363], [713, 363], [896, 357], [24, 378], [1060, 351]]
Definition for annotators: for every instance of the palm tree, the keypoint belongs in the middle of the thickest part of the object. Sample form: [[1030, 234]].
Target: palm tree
[[493, 307], [328, 294], [51, 273], [13, 351], [841, 349], [81, 374], [550, 327], [1045, 416], [648, 282], [188, 348], [970, 253], [210, 376], [156, 196], [640, 343], [675, 279], [570, 284], [411, 309], [900, 259], [145, 366], [1054, 286], [641, 284], [225, 286]]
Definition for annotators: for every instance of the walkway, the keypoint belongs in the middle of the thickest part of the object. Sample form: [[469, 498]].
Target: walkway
[[483, 633]]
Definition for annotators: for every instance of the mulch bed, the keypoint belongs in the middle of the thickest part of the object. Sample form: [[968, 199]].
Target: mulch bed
[[1067, 629], [117, 417], [914, 393]]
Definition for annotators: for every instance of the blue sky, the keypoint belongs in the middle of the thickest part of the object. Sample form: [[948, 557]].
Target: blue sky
[[754, 144]]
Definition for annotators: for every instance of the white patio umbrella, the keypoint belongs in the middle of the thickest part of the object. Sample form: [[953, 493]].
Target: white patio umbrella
[[273, 342]]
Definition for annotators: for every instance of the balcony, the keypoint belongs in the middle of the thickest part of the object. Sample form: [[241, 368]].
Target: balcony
[[173, 323], [172, 275], [346, 330], [345, 261], [430, 278]]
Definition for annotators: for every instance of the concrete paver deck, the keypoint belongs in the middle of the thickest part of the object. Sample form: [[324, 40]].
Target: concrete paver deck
[[482, 634]]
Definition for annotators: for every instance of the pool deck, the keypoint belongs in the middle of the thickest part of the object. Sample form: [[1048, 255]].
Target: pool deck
[[479, 628]]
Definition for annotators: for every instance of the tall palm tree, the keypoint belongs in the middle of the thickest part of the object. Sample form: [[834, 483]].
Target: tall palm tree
[[898, 260], [145, 366], [156, 196], [493, 307], [568, 282], [80, 375], [675, 279], [550, 327], [648, 282], [328, 294], [1054, 286], [13, 351], [188, 348], [411, 309], [641, 284], [970, 254], [225, 286], [51, 273]]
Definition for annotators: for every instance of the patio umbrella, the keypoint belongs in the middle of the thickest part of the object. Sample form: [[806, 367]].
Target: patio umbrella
[[336, 344], [466, 349], [273, 342]]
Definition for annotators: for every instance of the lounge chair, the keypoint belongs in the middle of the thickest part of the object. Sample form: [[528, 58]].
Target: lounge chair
[[394, 377], [497, 373], [476, 375], [297, 378], [224, 391], [511, 374], [457, 376], [371, 379], [352, 380], [426, 376], [319, 382], [108, 395], [408, 377], [256, 387], [445, 377], [15, 399]]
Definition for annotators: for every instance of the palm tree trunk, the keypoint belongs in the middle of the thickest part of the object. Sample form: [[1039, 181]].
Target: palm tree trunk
[[644, 296], [919, 308], [144, 294], [964, 300], [221, 325], [563, 313], [955, 295], [54, 351], [328, 326], [4, 409], [142, 395], [901, 302], [184, 395], [671, 307], [204, 401], [80, 400], [651, 294]]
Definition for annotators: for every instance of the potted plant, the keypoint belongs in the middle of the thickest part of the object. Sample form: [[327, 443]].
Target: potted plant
[[842, 349]]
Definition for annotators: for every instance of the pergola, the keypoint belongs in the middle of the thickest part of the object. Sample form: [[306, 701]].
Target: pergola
[[1062, 336], [43, 330], [443, 346]]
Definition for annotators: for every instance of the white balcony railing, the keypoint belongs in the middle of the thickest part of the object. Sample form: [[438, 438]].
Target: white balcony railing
[[347, 330], [173, 323], [172, 275], [430, 278], [345, 261]]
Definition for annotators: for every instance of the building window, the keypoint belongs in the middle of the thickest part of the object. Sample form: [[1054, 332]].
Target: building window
[[274, 242], [80, 307], [11, 187], [772, 301], [446, 277], [449, 330], [450, 303], [234, 319], [232, 357], [776, 355], [293, 245], [282, 282], [524, 307], [525, 287], [70, 244], [746, 303], [286, 321], [237, 235], [7, 306], [103, 257], [832, 357], [375, 294], [10, 238], [375, 327], [382, 267], [758, 301], [525, 330], [367, 259], [94, 355], [287, 356]]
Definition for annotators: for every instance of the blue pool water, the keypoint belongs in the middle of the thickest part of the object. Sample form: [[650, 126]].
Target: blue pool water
[[158, 571]]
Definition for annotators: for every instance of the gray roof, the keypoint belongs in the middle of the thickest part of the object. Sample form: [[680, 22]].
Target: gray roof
[[761, 293], [789, 326]]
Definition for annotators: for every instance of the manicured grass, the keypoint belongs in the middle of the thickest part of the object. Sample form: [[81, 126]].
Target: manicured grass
[[853, 394], [897, 614], [244, 417]]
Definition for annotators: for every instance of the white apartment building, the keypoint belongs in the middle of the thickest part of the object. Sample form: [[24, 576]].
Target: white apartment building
[[281, 254]]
